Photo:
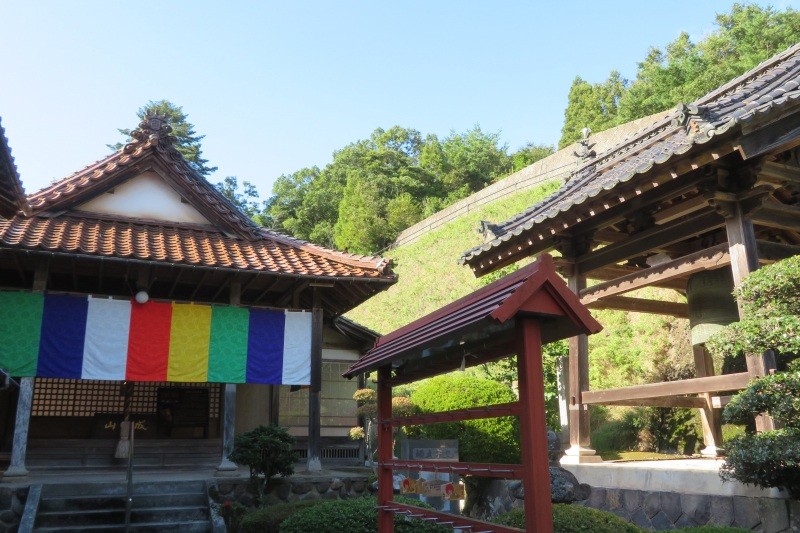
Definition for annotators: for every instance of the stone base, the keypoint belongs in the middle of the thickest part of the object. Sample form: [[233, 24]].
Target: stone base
[[225, 468], [712, 452], [575, 455], [580, 459], [19, 473]]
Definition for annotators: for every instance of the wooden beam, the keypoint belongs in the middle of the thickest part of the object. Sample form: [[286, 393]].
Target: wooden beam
[[688, 402], [641, 305], [709, 258], [769, 252], [779, 136], [670, 388], [777, 215], [680, 208], [649, 239], [779, 174]]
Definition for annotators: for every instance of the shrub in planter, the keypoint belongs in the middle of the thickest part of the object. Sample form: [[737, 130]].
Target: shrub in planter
[[268, 519], [357, 515], [574, 518], [267, 451]]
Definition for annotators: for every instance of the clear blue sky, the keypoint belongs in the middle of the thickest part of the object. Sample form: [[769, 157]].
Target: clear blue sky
[[279, 86]]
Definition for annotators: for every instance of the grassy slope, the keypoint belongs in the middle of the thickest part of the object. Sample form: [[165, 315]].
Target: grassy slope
[[428, 269]]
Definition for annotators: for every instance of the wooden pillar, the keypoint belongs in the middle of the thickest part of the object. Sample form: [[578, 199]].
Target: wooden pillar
[[579, 450], [314, 458], [228, 421], [385, 481], [533, 427], [744, 260], [19, 447], [709, 416]]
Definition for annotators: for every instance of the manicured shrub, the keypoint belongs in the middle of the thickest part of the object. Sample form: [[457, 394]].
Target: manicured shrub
[[358, 515], [267, 451], [489, 440], [772, 458], [574, 519], [268, 519]]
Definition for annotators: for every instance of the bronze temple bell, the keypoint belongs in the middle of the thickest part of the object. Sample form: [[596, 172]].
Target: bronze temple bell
[[711, 304]]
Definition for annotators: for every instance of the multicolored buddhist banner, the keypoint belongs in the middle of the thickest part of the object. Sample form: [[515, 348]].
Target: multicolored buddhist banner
[[83, 337]]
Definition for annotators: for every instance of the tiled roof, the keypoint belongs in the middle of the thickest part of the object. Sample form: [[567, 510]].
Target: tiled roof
[[272, 252], [151, 140], [472, 323], [771, 85], [12, 196], [233, 242]]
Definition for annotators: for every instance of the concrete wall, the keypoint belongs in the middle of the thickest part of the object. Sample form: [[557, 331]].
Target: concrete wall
[[556, 166]]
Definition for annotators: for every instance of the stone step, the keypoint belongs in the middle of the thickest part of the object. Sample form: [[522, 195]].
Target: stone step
[[118, 501], [195, 526], [116, 516], [119, 489]]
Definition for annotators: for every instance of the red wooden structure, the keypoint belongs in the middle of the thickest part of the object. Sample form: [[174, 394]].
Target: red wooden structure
[[514, 315]]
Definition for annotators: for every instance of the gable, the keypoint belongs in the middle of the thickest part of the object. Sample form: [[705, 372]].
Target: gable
[[146, 196]]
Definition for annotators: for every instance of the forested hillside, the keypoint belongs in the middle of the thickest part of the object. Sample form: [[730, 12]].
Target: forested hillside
[[376, 187]]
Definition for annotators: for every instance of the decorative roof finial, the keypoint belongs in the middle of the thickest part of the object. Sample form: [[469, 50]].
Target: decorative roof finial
[[585, 151], [154, 128]]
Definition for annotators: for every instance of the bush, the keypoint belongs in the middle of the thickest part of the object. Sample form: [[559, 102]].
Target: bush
[[772, 458], [489, 440], [359, 515], [268, 519], [267, 451], [574, 518], [616, 432]]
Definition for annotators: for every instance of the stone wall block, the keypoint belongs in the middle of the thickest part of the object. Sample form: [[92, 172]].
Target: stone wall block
[[721, 511], [632, 500], [640, 518], [794, 515], [652, 503], [774, 515], [745, 512], [302, 488], [613, 499], [685, 521], [660, 521], [671, 505], [597, 498], [697, 507]]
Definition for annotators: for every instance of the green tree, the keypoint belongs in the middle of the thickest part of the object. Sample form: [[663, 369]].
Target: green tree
[[530, 154], [246, 200], [188, 141], [285, 205], [744, 37], [360, 228], [595, 106]]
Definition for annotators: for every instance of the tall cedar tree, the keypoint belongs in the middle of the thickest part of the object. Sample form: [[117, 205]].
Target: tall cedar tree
[[188, 142]]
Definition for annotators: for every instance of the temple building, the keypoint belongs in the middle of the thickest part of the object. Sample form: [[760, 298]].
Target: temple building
[[135, 270], [692, 203]]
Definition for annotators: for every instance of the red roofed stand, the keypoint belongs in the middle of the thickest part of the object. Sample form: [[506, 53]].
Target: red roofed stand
[[514, 315]]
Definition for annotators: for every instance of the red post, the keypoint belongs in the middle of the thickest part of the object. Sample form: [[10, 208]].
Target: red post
[[385, 492], [533, 427]]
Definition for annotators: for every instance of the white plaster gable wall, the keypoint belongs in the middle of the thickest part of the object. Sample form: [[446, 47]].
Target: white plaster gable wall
[[145, 196]]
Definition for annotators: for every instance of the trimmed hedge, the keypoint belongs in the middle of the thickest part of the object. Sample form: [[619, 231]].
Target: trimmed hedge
[[574, 519], [268, 519], [358, 515]]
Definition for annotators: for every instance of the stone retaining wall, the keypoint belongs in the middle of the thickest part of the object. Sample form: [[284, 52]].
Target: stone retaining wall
[[12, 506], [660, 511], [289, 490], [670, 510]]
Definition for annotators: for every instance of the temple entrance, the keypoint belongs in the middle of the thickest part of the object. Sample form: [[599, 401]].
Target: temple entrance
[[88, 409]]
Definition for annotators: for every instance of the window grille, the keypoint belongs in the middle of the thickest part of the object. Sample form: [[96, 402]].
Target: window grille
[[72, 397]]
